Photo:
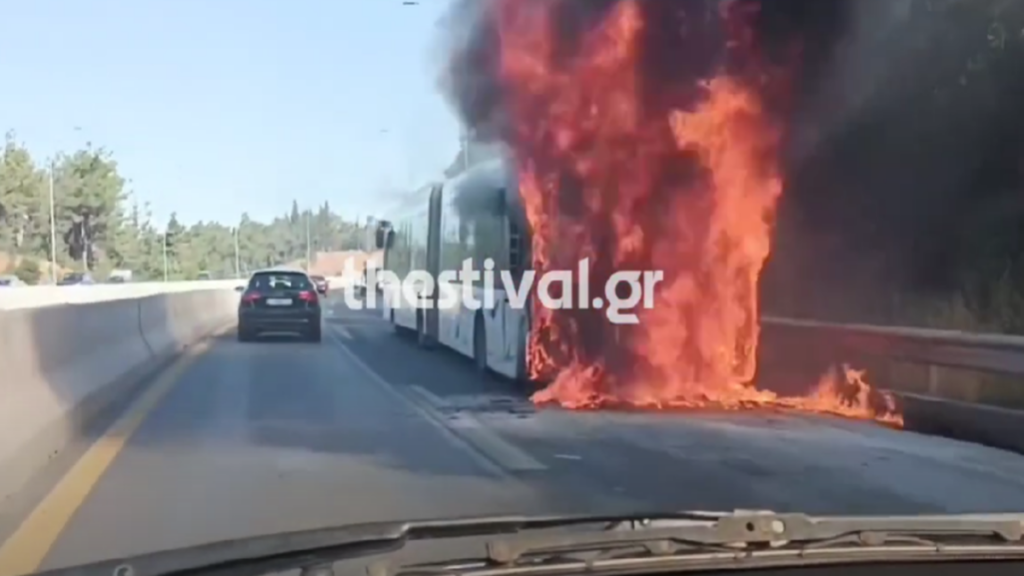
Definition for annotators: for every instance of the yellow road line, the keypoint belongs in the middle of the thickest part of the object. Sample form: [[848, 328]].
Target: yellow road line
[[24, 551]]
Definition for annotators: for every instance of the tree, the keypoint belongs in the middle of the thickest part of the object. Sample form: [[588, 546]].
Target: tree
[[99, 225], [21, 194], [28, 271], [909, 194], [173, 241], [91, 191]]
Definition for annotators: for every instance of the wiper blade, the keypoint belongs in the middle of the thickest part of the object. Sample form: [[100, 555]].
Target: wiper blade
[[765, 529], [736, 534], [311, 548], [257, 554], [314, 549]]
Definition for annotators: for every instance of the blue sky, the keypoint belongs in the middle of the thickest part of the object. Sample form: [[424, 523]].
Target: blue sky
[[215, 107]]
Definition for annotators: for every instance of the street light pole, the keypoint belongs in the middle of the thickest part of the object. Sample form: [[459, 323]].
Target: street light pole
[[308, 243], [85, 247], [165, 256], [238, 266], [53, 230]]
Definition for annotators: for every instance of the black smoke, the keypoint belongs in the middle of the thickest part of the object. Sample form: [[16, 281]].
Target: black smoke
[[903, 163], [904, 123]]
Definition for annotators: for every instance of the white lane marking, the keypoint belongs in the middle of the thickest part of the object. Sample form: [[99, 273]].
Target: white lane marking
[[430, 397], [342, 332], [465, 441], [483, 437]]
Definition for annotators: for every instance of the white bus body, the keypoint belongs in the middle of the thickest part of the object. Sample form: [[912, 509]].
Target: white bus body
[[406, 250], [475, 215]]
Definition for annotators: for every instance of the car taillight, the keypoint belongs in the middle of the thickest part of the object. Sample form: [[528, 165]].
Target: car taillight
[[308, 296], [250, 297]]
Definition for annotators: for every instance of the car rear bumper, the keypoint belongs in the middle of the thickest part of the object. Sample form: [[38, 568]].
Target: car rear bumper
[[258, 320]]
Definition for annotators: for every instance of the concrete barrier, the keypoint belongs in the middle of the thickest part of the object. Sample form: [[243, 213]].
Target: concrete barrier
[[988, 425], [63, 367], [793, 353], [34, 296]]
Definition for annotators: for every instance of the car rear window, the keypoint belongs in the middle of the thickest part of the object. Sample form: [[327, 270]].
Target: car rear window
[[279, 281]]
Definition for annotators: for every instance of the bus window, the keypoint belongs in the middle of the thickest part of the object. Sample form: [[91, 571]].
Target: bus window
[[467, 241], [515, 247], [400, 254], [456, 240], [490, 242]]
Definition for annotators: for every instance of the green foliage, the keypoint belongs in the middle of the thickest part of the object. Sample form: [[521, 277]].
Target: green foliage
[[23, 213], [99, 226], [910, 211], [28, 271]]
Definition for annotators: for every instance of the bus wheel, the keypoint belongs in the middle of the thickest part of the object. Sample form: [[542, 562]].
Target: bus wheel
[[480, 344], [421, 330], [522, 364], [400, 331]]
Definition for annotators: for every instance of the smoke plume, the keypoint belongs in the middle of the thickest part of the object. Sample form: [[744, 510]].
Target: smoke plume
[[901, 120]]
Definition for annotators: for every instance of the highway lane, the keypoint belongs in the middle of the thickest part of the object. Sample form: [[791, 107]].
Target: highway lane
[[282, 435], [264, 437], [709, 461]]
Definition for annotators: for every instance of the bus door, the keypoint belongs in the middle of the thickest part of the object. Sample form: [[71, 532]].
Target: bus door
[[432, 318], [514, 317]]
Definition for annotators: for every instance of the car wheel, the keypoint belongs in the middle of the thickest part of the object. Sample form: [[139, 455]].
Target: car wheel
[[243, 334], [315, 335]]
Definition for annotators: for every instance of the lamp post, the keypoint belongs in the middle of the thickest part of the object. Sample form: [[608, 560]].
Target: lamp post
[[53, 219], [53, 230], [309, 250], [165, 255], [238, 261]]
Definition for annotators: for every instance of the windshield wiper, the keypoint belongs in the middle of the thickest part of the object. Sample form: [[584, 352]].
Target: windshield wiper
[[702, 538], [651, 535], [311, 549]]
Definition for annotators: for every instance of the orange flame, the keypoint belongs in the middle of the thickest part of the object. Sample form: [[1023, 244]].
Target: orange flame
[[634, 172]]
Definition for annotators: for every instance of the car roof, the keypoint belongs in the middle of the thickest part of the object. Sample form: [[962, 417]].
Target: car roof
[[280, 271]]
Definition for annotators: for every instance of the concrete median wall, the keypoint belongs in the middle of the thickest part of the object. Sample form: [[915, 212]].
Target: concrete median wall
[[35, 296], [63, 367]]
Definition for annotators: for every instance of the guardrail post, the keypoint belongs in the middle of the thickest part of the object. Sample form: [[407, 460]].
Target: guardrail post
[[933, 380]]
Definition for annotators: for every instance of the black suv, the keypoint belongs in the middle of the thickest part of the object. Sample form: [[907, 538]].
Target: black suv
[[279, 301]]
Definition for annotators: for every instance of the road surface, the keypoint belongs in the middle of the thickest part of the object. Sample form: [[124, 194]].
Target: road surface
[[243, 439]]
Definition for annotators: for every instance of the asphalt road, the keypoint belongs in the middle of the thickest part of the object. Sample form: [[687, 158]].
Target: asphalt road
[[281, 435]]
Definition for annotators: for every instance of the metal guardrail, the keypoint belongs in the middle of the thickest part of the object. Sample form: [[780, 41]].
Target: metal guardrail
[[999, 427], [998, 353]]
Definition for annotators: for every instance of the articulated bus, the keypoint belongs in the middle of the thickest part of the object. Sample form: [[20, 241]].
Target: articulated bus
[[476, 215]]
